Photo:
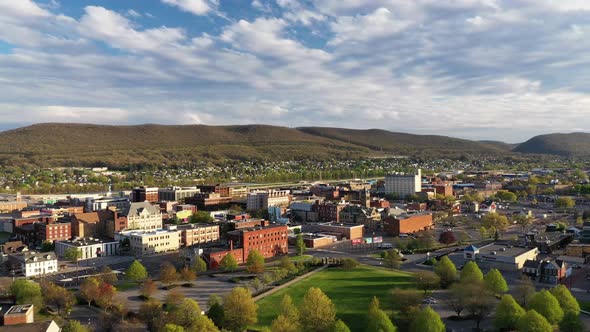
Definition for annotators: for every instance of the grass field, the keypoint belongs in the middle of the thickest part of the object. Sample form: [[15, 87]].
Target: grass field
[[350, 290]]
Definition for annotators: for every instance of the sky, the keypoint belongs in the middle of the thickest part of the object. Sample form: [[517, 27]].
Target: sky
[[479, 69]]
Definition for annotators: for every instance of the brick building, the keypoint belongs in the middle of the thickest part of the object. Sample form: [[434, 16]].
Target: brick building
[[407, 223], [53, 232], [86, 224], [329, 212], [19, 314], [269, 241], [223, 191], [144, 194], [208, 201], [214, 256], [247, 223], [347, 231]]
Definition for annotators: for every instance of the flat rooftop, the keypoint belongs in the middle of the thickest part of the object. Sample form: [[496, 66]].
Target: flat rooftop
[[85, 241], [18, 309], [503, 250], [341, 225]]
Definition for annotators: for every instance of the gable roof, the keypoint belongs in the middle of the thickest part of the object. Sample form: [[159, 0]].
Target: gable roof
[[471, 247], [89, 217], [134, 209]]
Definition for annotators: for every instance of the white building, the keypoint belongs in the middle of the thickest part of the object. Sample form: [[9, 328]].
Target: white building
[[403, 185], [119, 203], [259, 200], [31, 264], [143, 216], [90, 247], [175, 194], [145, 242]]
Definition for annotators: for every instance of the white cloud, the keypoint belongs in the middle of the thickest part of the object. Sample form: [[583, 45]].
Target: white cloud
[[379, 24], [133, 13], [197, 7]]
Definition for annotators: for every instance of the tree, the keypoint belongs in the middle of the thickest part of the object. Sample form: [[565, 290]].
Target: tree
[[27, 292], [566, 301], [152, 314], [524, 291], [106, 295], [90, 290], [349, 263], [532, 321], [547, 305], [340, 326], [168, 274], [564, 203], [317, 311], [107, 275], [483, 233], [288, 319], [495, 282], [148, 288], [57, 296], [457, 299], [446, 270], [427, 320], [471, 273], [187, 314], [228, 262], [74, 326], [447, 237], [493, 219], [173, 299], [201, 217], [187, 275], [239, 309], [406, 301], [136, 271], [506, 196], [522, 220], [215, 312], [199, 265], [479, 304], [172, 328], [286, 264], [377, 319], [427, 281], [508, 313], [391, 259], [73, 254], [47, 246], [300, 244], [255, 262], [288, 309], [283, 324], [571, 323]]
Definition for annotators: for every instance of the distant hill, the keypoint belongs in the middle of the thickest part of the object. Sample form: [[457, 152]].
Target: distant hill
[[406, 144], [58, 144], [567, 145]]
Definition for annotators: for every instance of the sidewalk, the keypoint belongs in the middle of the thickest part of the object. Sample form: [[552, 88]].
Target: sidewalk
[[289, 283]]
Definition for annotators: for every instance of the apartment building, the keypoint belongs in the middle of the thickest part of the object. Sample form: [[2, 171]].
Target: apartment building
[[149, 242], [191, 234], [31, 264], [269, 241], [259, 200], [143, 216], [177, 194], [53, 232], [403, 185]]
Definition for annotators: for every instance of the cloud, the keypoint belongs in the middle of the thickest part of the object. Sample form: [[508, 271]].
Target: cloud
[[197, 7], [379, 24], [133, 13]]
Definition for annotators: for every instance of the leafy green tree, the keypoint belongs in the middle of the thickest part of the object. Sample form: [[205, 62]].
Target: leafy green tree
[[187, 314], [508, 313], [228, 262], [74, 326], [239, 309], [288, 309], [446, 270], [377, 319], [506, 196], [47, 246], [317, 312], [522, 220], [286, 264], [483, 232], [172, 328], [27, 292], [152, 314], [136, 271], [391, 259], [427, 320], [201, 217], [284, 324], [300, 244], [199, 265], [340, 326], [493, 219], [532, 321], [564, 203], [566, 300], [495, 282], [571, 323], [471, 273], [215, 312], [255, 262], [547, 305], [427, 281]]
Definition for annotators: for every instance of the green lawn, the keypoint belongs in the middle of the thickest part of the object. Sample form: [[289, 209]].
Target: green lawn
[[350, 290], [124, 285], [300, 258]]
